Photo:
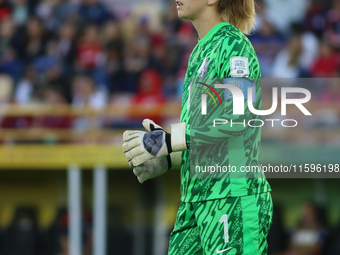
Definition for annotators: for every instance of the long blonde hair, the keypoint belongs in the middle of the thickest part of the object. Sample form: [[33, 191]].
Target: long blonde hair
[[239, 13]]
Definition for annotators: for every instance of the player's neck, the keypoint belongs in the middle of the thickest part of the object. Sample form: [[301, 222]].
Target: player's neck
[[205, 23]]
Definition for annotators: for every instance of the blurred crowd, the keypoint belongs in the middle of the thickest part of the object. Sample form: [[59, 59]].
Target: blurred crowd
[[94, 53], [87, 53], [309, 48], [311, 235], [59, 51]]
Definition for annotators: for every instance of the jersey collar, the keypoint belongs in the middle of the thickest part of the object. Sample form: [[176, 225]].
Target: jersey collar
[[211, 33]]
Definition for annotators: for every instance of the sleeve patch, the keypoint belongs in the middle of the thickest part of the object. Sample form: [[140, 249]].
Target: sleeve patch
[[239, 67], [242, 84]]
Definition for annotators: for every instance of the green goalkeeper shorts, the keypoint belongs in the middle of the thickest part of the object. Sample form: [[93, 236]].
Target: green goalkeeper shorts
[[234, 225]]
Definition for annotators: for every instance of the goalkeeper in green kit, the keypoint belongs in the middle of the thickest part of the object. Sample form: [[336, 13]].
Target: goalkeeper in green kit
[[231, 214]]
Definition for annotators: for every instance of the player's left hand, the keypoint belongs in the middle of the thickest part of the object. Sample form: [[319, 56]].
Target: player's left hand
[[151, 168], [141, 146]]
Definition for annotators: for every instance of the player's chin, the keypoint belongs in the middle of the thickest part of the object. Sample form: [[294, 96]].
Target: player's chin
[[183, 15]]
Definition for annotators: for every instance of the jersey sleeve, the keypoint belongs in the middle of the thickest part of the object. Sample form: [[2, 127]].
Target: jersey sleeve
[[207, 134]]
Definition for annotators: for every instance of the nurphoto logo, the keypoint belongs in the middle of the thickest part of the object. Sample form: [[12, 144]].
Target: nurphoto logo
[[238, 97]]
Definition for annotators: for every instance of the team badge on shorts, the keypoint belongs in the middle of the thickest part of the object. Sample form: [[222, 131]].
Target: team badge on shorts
[[204, 68], [239, 67]]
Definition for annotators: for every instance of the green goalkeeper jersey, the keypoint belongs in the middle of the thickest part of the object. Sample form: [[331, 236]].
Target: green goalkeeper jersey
[[222, 55]]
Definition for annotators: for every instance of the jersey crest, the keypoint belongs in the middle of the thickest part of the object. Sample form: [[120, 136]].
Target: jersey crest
[[204, 69]]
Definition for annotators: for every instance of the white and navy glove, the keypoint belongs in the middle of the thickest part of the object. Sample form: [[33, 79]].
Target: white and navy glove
[[140, 146], [157, 166]]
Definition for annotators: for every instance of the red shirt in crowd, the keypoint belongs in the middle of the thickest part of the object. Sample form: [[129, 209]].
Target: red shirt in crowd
[[87, 54], [149, 91], [326, 66], [5, 11]]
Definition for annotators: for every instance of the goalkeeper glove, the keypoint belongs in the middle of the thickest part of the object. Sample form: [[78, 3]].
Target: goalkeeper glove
[[157, 166], [141, 146]]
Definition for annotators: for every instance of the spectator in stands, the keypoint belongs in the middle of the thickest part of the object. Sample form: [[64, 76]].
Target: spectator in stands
[[310, 47], [149, 91], [284, 13], [49, 68], [315, 19], [67, 47], [93, 11], [44, 12], [7, 30], [64, 11], [34, 41], [89, 49], [113, 67], [53, 95], [135, 61], [261, 14], [171, 23], [54, 77], [182, 66], [5, 10], [311, 232], [287, 63], [8, 55], [327, 63], [295, 61], [20, 12], [332, 33], [24, 91], [85, 93], [267, 43], [50, 58], [6, 88], [112, 35]]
